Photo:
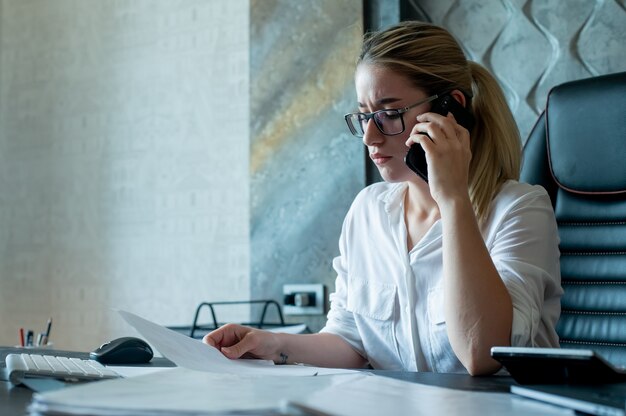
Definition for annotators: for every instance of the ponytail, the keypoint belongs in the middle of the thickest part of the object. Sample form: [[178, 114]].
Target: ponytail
[[495, 141]]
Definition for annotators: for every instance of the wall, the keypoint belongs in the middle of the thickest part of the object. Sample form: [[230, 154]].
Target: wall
[[158, 154], [532, 45], [305, 166], [124, 157]]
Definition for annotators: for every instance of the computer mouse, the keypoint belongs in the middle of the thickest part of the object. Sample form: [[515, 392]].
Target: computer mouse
[[125, 350]]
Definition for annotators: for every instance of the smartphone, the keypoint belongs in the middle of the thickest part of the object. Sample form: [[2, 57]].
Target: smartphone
[[416, 157]]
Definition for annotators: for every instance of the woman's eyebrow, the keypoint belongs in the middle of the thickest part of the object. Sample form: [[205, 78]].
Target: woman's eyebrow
[[382, 101]]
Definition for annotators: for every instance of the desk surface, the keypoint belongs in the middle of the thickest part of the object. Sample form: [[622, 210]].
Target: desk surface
[[14, 399]]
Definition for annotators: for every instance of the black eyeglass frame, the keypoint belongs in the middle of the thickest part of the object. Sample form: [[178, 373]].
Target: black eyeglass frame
[[367, 116]]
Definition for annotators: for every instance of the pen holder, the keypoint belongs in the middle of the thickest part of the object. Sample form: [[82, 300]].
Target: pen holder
[[49, 345]]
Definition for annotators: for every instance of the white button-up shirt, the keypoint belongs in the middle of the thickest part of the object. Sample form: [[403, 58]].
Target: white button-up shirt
[[388, 304]]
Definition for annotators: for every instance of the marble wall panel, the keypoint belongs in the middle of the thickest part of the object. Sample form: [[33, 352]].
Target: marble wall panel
[[305, 166]]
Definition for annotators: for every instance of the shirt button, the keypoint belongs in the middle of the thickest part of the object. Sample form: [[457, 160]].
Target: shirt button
[[407, 309]]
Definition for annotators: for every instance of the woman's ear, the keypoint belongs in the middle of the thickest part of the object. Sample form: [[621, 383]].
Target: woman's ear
[[459, 96]]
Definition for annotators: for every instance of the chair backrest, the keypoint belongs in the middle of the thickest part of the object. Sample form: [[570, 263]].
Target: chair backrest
[[577, 151]]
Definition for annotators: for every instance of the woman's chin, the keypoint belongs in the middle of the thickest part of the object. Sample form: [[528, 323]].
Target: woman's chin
[[395, 177]]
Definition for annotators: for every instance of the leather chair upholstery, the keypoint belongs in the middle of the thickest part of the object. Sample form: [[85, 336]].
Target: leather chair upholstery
[[577, 152]]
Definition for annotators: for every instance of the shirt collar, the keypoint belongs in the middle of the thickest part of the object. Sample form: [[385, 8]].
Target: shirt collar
[[393, 197]]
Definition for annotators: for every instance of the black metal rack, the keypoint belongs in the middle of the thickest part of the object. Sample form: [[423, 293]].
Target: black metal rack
[[197, 330]]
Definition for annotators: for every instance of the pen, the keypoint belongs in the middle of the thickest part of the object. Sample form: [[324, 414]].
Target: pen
[[29, 338], [46, 336], [21, 337]]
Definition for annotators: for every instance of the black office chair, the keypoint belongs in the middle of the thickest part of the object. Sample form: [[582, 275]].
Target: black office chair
[[577, 151]]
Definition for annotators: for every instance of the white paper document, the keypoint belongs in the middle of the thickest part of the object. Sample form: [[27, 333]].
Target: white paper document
[[187, 392], [134, 371], [181, 392], [377, 395], [195, 355]]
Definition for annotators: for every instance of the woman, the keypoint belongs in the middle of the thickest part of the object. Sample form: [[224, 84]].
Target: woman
[[432, 274]]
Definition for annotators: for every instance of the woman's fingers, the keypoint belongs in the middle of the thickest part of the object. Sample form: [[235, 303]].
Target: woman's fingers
[[226, 335], [247, 344], [444, 132], [238, 341], [210, 341], [437, 127]]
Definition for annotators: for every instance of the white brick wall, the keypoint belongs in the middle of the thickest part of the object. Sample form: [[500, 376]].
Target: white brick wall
[[124, 163]]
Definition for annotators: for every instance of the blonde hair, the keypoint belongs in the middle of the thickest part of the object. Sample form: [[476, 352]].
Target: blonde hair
[[432, 59]]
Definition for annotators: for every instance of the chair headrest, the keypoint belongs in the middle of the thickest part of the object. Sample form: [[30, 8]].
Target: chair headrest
[[586, 134]]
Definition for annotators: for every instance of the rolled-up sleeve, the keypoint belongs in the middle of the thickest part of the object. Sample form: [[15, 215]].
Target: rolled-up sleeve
[[526, 254], [340, 321]]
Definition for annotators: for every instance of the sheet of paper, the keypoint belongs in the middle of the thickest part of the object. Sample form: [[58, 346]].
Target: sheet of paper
[[136, 371], [195, 355], [187, 392], [377, 395], [182, 392]]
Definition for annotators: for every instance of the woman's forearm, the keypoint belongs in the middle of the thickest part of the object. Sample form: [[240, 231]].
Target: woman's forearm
[[322, 350], [478, 306]]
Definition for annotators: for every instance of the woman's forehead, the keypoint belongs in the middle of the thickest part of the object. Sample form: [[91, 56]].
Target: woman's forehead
[[375, 82]]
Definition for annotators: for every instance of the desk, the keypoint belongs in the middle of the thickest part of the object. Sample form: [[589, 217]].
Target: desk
[[13, 400]]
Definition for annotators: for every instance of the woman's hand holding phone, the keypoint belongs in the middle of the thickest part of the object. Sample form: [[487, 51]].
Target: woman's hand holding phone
[[416, 158], [446, 145]]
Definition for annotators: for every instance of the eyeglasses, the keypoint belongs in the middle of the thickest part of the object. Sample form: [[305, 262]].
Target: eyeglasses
[[389, 122]]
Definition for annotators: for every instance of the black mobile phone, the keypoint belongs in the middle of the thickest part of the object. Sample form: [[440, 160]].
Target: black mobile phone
[[416, 157]]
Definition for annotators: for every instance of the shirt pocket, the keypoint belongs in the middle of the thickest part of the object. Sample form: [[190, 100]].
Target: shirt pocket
[[436, 314], [373, 307], [371, 299]]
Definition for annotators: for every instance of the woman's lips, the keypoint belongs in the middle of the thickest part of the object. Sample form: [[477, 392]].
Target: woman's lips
[[379, 159]]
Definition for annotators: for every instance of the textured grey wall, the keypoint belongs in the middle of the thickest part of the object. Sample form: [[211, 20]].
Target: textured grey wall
[[532, 45], [305, 167], [124, 161]]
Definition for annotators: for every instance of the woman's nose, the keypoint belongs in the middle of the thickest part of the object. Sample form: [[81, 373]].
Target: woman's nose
[[371, 134]]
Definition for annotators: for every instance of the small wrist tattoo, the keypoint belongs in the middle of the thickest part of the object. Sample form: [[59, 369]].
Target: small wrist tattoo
[[283, 358]]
